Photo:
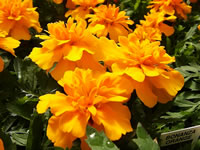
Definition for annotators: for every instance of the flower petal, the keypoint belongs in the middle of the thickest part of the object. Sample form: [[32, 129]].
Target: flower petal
[[145, 93], [135, 73], [57, 136], [115, 118], [172, 84], [150, 71], [74, 123]]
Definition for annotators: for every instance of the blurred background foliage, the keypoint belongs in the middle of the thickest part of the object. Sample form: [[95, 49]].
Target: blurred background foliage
[[22, 82]]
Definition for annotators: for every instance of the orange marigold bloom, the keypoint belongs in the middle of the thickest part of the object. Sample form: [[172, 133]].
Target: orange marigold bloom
[[156, 20], [199, 27], [1, 145], [143, 33], [66, 42], [109, 20], [145, 63], [17, 17], [93, 98], [171, 7], [84, 7]]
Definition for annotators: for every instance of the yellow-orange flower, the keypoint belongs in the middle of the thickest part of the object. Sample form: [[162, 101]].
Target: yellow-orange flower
[[145, 63], [109, 20], [8, 43], [199, 27], [171, 7], [1, 145], [150, 33], [156, 20], [84, 7], [92, 97], [17, 17], [66, 42]]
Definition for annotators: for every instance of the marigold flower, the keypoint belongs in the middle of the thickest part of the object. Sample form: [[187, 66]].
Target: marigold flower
[[199, 27], [1, 145], [93, 98], [156, 20], [171, 7], [84, 7], [17, 17], [109, 20], [65, 42], [145, 63], [143, 33]]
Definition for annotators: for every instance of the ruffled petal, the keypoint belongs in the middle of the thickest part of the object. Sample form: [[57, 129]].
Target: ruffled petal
[[172, 82], [135, 73], [145, 94], [115, 117], [57, 136], [8, 44], [75, 123]]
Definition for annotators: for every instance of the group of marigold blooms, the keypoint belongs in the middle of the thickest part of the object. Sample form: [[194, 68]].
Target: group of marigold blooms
[[98, 62]]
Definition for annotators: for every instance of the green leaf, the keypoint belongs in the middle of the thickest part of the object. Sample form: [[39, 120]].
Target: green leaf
[[144, 140], [98, 140], [19, 137], [35, 133], [23, 111], [191, 32], [137, 4]]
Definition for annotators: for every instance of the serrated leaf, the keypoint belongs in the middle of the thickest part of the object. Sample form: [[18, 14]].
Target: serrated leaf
[[98, 140], [191, 32], [20, 138], [192, 85], [144, 140]]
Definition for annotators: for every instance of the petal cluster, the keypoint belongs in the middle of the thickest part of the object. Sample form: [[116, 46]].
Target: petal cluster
[[84, 7], [146, 63], [171, 7], [156, 20], [17, 17], [109, 20], [92, 98], [66, 44]]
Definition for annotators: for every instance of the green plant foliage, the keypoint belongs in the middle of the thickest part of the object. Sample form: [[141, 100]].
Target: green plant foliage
[[98, 140], [144, 140]]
